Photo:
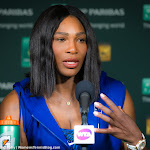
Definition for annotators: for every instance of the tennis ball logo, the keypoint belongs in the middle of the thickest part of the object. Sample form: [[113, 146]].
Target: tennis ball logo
[[84, 134]]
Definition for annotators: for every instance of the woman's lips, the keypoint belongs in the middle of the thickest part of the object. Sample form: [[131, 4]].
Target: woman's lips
[[71, 63]]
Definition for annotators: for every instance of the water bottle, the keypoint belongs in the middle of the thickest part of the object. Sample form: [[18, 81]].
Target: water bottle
[[9, 134]]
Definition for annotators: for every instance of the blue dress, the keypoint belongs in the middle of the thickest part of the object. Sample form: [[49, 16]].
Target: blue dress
[[41, 128]]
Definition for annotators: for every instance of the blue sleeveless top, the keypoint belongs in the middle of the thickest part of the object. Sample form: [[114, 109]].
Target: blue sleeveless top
[[41, 128], [69, 134]]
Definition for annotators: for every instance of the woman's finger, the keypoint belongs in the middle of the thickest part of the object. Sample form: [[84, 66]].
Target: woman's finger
[[112, 106], [103, 131], [106, 110], [103, 117]]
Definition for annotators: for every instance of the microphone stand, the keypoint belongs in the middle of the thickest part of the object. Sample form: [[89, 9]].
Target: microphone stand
[[84, 102], [85, 93], [84, 122]]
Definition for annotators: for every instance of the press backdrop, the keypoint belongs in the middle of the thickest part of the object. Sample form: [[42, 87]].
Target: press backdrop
[[122, 29]]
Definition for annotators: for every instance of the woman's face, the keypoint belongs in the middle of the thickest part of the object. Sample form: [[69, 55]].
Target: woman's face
[[69, 46]]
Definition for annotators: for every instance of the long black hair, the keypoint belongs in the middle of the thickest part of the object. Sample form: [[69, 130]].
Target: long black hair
[[43, 71]]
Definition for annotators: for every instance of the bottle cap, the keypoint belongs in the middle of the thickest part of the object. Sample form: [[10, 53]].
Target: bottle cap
[[9, 121]]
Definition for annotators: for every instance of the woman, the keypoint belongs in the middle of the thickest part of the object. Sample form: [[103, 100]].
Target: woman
[[64, 51]]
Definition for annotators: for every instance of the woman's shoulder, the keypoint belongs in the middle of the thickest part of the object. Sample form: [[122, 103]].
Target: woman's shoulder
[[113, 88], [110, 83], [22, 84], [22, 87], [10, 106]]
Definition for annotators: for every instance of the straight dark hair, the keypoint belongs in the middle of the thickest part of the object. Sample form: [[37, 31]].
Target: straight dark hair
[[43, 71]]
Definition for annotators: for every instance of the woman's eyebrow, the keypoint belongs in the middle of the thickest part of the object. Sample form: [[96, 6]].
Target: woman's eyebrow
[[80, 33], [67, 34], [62, 33]]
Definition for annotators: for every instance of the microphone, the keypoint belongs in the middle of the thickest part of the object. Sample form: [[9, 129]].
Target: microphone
[[84, 134], [85, 93]]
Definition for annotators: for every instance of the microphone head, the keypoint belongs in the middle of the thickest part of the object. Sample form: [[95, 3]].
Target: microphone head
[[85, 86]]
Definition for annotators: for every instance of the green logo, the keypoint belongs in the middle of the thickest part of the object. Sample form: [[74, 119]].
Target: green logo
[[146, 86], [58, 4], [146, 12], [25, 56]]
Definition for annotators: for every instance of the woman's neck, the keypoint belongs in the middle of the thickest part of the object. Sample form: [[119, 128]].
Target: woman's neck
[[65, 86]]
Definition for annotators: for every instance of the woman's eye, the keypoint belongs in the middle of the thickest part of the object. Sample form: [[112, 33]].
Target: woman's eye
[[82, 40], [60, 39]]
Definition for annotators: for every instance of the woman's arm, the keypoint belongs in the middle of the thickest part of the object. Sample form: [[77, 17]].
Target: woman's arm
[[128, 108], [10, 106]]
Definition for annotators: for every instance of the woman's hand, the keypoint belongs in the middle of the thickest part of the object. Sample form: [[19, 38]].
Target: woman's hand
[[121, 125]]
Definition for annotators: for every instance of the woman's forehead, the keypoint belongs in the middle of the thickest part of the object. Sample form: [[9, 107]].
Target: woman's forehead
[[70, 24]]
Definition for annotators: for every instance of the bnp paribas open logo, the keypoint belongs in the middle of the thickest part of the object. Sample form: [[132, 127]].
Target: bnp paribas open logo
[[105, 52], [25, 55], [146, 12], [146, 86]]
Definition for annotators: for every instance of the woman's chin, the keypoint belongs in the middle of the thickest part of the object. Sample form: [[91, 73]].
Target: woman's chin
[[70, 73]]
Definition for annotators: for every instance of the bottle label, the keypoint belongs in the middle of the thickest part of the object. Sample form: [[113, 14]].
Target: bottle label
[[7, 141]]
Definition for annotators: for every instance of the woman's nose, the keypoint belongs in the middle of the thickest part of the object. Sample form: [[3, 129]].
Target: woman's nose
[[72, 48]]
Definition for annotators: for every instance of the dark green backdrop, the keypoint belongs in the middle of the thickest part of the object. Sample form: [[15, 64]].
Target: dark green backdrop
[[129, 40]]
